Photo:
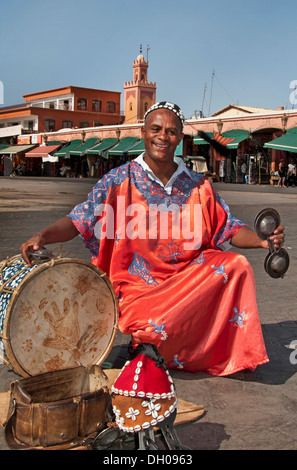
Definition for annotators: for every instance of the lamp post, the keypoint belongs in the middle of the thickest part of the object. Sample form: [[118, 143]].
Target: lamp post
[[118, 133], [219, 166], [219, 126], [284, 121], [259, 166]]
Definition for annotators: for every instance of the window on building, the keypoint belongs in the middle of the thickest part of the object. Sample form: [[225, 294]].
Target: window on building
[[111, 107], [145, 107], [82, 104], [96, 105], [49, 125], [67, 124], [65, 105], [84, 124], [50, 104]]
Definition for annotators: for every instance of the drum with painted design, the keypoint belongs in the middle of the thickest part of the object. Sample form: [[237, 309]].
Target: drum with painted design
[[55, 315]]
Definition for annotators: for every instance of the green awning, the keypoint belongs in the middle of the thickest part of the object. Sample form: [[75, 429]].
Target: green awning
[[123, 146], [293, 130], [3, 147], [238, 134], [81, 149], [199, 141], [54, 142], [287, 142], [106, 144], [137, 149], [179, 149], [64, 152]]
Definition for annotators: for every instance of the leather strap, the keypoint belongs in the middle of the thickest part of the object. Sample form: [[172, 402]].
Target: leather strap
[[9, 436]]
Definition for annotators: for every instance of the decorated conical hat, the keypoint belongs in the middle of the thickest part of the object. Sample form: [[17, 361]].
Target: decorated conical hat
[[142, 378], [143, 394]]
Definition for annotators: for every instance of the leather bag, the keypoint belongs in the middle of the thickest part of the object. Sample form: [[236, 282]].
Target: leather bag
[[62, 407]]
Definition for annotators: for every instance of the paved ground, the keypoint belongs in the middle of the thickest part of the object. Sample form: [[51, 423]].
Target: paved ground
[[246, 411]]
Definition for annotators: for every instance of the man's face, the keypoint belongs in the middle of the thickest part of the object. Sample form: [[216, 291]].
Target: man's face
[[161, 134]]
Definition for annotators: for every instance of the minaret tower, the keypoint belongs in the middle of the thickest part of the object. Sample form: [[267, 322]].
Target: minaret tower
[[139, 95]]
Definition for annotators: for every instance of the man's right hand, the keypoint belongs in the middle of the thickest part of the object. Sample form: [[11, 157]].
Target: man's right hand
[[33, 244], [60, 231]]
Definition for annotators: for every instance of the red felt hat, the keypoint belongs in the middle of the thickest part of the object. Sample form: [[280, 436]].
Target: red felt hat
[[143, 394], [142, 378]]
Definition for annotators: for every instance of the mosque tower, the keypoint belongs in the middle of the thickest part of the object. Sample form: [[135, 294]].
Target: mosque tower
[[139, 95]]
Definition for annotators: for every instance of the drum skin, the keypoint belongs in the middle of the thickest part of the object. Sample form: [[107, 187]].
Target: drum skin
[[62, 314]]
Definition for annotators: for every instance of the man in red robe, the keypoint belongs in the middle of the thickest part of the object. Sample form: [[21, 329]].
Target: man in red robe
[[163, 236]]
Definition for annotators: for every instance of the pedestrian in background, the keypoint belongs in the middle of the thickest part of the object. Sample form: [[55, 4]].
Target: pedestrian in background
[[282, 173], [243, 172], [291, 173]]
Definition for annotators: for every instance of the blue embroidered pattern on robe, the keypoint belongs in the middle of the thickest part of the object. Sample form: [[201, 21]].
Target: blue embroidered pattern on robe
[[154, 193], [171, 251], [179, 364], [238, 317], [199, 260], [231, 223], [159, 329], [141, 267], [116, 241], [220, 270]]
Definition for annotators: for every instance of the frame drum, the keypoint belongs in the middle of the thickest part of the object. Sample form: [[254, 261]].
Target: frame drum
[[55, 315]]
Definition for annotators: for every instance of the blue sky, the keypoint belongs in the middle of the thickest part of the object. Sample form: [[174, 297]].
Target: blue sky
[[249, 44]]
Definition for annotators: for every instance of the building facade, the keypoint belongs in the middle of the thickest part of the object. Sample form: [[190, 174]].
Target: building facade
[[61, 108]]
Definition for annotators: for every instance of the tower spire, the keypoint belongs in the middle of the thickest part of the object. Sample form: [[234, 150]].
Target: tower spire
[[139, 94], [147, 52]]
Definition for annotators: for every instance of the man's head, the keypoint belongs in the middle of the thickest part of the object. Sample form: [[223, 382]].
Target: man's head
[[162, 131]]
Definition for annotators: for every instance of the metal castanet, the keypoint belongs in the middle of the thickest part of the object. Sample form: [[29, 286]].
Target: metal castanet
[[276, 262]]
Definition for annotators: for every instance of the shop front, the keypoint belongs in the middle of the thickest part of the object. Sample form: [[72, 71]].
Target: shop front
[[14, 156], [42, 161]]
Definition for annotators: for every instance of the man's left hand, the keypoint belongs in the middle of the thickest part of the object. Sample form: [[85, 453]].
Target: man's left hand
[[278, 238]]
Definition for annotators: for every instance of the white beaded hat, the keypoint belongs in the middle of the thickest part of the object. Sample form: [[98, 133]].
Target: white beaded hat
[[143, 394], [171, 107]]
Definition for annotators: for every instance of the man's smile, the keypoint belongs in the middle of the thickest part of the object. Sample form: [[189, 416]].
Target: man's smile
[[161, 146]]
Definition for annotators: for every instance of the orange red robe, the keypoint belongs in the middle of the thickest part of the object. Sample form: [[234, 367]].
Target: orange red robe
[[194, 301]]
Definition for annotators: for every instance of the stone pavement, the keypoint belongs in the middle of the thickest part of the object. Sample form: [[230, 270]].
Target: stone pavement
[[245, 411]]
